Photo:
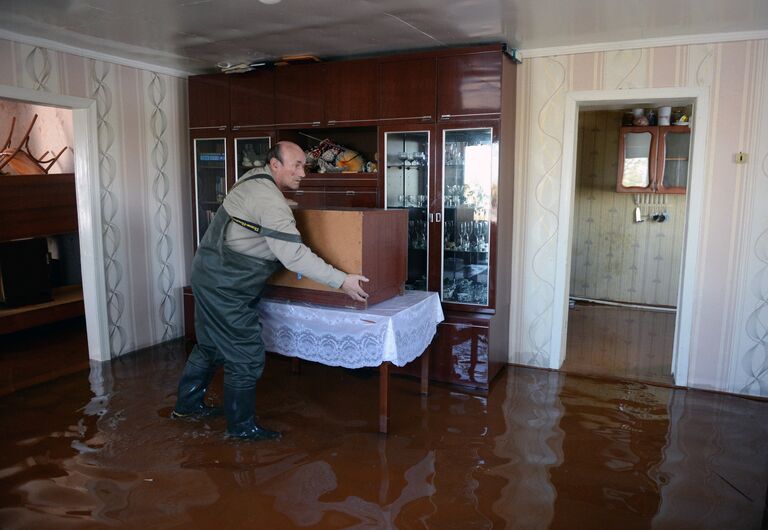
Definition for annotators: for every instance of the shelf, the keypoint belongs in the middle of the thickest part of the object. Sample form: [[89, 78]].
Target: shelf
[[67, 303]]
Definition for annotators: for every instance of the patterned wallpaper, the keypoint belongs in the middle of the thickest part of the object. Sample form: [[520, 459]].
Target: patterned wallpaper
[[729, 348], [142, 140], [614, 258]]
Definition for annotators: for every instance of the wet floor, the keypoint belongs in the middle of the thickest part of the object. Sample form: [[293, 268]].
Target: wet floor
[[543, 450]]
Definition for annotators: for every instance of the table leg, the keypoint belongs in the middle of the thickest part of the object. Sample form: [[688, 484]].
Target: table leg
[[425, 371], [295, 365], [384, 397]]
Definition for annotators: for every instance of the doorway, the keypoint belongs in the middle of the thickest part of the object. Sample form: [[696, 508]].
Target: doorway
[[87, 188], [630, 98], [627, 243]]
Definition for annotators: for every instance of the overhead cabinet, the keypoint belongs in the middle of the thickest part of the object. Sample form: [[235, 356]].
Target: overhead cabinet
[[407, 90], [654, 159], [251, 99], [469, 86], [300, 95], [351, 93], [209, 102]]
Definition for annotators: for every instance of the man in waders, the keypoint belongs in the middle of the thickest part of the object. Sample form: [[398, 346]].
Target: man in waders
[[252, 234]]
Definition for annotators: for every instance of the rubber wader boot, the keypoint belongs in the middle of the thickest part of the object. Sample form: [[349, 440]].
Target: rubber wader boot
[[192, 386], [239, 405]]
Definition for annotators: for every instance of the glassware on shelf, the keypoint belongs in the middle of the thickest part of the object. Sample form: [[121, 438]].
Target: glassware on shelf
[[467, 180], [407, 186]]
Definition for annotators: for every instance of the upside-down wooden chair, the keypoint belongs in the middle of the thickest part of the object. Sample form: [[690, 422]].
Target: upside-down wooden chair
[[21, 159]]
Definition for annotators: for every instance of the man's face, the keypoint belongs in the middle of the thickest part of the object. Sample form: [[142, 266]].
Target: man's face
[[290, 171]]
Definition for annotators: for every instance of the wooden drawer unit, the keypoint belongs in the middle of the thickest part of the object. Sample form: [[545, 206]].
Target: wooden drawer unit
[[369, 242]]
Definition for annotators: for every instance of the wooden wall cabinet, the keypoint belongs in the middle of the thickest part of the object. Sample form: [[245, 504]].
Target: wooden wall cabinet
[[469, 86], [209, 101], [251, 97], [351, 93], [300, 95], [407, 90], [440, 126], [654, 159]]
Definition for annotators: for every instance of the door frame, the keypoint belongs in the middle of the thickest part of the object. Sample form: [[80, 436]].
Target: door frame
[[88, 192], [580, 100]]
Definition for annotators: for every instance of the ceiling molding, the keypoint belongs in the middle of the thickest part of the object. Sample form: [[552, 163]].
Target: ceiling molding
[[91, 54], [681, 40]]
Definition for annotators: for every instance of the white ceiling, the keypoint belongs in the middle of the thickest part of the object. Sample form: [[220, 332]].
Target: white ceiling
[[195, 35]]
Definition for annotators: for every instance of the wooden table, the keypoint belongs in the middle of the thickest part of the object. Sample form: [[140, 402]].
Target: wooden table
[[393, 332]]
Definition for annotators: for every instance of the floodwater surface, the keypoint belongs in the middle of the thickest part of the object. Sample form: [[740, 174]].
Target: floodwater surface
[[544, 449]]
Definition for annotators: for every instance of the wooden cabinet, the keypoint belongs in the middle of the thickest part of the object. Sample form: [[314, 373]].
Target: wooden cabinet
[[469, 86], [367, 242], [299, 95], [251, 97], [653, 159], [209, 101], [351, 92], [407, 90]]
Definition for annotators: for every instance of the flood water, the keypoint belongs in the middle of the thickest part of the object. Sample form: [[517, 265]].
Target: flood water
[[543, 450]]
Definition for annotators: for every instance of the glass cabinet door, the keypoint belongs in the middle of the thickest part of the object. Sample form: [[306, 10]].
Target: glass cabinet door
[[210, 179], [637, 160], [407, 187], [673, 159], [249, 153], [470, 162]]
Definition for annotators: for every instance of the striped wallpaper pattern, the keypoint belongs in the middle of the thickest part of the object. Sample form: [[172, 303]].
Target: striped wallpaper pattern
[[729, 349], [142, 139]]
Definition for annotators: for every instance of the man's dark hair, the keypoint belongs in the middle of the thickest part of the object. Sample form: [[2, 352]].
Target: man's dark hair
[[274, 152]]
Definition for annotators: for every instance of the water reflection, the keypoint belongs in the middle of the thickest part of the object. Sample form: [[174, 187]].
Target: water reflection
[[531, 445]]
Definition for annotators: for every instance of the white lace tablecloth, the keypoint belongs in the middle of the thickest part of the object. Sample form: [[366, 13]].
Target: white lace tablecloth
[[397, 330]]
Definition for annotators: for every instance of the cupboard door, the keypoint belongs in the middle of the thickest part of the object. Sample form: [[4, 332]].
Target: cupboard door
[[469, 85], [208, 101], [673, 152], [299, 94], [470, 167], [407, 90], [351, 92], [209, 163], [637, 159], [408, 175], [252, 99], [351, 198], [250, 150]]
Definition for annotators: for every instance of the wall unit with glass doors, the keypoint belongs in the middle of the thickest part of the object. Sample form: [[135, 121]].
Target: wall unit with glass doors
[[654, 159], [438, 130], [447, 178]]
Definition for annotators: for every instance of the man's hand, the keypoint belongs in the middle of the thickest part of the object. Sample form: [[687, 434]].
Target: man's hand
[[351, 287]]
